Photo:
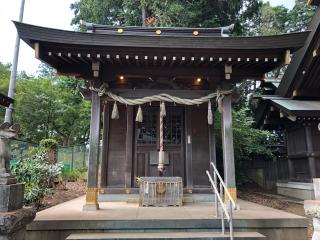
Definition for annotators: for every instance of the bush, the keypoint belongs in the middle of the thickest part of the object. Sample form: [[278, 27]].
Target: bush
[[48, 143], [37, 175], [75, 175]]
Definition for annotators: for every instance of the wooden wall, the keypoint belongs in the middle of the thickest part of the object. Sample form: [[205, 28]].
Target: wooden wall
[[194, 162]]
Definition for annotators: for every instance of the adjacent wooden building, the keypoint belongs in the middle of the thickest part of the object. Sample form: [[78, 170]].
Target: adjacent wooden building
[[137, 62], [293, 107]]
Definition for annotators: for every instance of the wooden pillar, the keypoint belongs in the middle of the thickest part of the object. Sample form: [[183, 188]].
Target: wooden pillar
[[291, 169], [129, 149], [227, 146], [212, 144], [188, 131], [310, 153], [93, 165], [105, 145]]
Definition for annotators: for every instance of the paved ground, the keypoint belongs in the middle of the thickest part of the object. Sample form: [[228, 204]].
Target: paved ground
[[72, 210]]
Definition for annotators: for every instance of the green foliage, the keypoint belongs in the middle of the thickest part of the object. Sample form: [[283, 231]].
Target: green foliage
[[192, 13], [37, 175], [48, 143], [249, 143], [277, 20], [75, 175], [47, 109]]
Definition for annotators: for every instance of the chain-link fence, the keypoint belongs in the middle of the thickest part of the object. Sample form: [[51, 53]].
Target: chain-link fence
[[19, 150], [74, 157]]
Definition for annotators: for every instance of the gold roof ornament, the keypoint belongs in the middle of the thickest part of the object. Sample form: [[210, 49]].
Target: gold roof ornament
[[158, 32], [195, 33], [120, 30]]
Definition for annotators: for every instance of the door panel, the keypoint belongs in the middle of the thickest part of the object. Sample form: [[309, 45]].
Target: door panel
[[147, 142]]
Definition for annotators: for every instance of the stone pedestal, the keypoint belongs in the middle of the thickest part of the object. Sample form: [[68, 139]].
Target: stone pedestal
[[13, 224], [11, 197]]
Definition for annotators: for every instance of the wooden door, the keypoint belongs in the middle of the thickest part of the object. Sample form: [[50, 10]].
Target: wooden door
[[147, 142]]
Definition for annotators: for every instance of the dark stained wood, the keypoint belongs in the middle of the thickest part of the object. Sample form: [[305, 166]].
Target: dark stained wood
[[188, 133], [199, 136], [31, 33], [94, 142], [129, 147], [227, 142], [146, 150], [117, 149], [301, 59], [212, 142], [311, 153], [105, 145]]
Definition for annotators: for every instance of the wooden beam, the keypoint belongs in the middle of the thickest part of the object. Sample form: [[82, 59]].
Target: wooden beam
[[287, 57], [36, 50]]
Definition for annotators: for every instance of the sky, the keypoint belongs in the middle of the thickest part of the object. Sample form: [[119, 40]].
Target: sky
[[47, 13]]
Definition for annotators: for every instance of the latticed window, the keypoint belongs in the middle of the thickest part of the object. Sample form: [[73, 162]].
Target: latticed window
[[172, 127], [147, 131]]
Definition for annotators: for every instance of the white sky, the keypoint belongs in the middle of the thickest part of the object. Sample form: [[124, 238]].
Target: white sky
[[48, 13]]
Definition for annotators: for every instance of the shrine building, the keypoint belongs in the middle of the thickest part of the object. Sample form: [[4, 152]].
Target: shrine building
[[131, 71]]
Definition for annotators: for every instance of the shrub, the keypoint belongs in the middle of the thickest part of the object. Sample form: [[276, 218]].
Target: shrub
[[75, 175], [37, 175]]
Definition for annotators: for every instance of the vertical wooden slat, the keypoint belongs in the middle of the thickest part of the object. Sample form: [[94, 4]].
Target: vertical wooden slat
[[129, 147]]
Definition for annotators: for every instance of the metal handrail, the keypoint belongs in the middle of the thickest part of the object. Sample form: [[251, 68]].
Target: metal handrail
[[224, 185], [219, 196]]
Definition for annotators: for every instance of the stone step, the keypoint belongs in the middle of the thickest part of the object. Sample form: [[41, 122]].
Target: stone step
[[134, 198], [165, 235]]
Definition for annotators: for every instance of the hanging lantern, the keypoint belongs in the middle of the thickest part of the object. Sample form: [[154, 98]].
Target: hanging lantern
[[139, 117], [210, 115], [115, 111]]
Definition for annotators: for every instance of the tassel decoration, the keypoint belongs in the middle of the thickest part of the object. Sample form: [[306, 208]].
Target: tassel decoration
[[139, 117], [210, 115], [115, 111]]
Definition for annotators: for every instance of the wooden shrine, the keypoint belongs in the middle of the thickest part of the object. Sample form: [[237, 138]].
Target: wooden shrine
[[124, 65]]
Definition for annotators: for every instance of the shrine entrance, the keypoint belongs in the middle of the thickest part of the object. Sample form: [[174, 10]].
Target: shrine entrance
[[147, 142]]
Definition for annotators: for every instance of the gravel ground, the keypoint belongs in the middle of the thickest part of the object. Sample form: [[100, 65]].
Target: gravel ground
[[64, 193], [277, 202]]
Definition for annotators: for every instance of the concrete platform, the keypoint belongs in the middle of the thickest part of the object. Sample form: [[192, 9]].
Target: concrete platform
[[167, 235], [299, 190], [62, 220]]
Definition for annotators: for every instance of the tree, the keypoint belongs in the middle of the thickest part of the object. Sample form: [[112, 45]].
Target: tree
[[191, 13], [272, 20], [300, 16], [59, 113]]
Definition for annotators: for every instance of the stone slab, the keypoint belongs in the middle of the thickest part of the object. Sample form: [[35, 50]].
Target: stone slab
[[60, 221], [296, 190], [11, 197], [11, 222], [165, 235]]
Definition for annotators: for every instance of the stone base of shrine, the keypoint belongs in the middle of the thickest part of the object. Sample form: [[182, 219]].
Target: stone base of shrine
[[60, 221]]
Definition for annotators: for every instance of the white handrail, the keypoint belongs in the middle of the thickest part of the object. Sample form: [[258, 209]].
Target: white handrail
[[218, 195], [224, 186]]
